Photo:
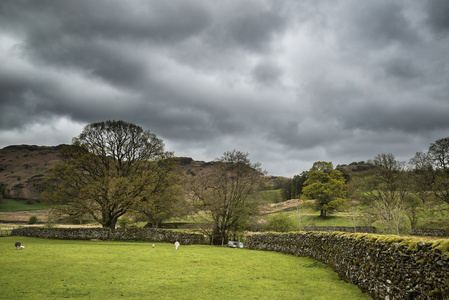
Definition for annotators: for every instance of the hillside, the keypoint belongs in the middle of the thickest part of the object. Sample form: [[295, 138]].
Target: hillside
[[22, 166]]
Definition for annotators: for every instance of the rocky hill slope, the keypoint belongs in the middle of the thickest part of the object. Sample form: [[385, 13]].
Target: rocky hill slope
[[23, 166]]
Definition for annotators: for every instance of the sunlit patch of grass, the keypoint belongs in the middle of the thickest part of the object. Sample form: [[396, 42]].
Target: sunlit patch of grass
[[53, 269]]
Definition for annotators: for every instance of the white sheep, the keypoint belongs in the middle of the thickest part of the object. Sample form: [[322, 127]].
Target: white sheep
[[176, 245]]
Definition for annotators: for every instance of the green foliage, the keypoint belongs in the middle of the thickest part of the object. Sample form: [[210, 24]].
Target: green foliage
[[124, 222], [281, 223], [33, 220], [110, 167], [57, 269], [327, 186], [292, 189], [166, 200]]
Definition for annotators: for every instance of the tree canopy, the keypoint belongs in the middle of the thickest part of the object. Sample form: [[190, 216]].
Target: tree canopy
[[166, 199], [327, 186], [109, 168]]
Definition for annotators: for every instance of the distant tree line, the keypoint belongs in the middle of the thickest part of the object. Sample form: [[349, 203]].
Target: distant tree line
[[292, 188], [387, 191]]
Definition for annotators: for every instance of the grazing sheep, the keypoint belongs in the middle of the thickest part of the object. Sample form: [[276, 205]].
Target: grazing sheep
[[176, 245], [153, 246], [19, 245]]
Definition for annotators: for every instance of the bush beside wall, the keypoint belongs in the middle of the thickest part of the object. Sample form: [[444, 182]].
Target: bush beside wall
[[126, 234], [387, 267]]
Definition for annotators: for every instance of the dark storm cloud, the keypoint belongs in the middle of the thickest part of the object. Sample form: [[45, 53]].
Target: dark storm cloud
[[438, 15], [377, 23], [289, 82], [250, 27], [402, 68], [267, 73], [100, 39]]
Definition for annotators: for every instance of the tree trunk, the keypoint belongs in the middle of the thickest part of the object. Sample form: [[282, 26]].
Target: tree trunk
[[110, 224], [323, 213]]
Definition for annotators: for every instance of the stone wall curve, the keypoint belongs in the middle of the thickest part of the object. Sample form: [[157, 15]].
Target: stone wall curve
[[391, 267]]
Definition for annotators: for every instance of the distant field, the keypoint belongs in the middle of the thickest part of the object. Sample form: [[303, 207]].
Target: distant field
[[55, 269], [18, 205]]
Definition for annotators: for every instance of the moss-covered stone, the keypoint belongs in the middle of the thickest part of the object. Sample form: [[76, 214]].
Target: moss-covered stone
[[442, 246]]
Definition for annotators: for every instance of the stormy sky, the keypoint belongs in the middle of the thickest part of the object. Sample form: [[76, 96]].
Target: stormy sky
[[289, 82]]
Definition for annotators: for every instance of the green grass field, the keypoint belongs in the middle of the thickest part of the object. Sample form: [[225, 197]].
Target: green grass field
[[18, 205], [54, 269]]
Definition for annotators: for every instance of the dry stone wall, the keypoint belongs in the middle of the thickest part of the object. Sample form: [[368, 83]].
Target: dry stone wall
[[370, 229], [363, 229], [391, 269], [127, 234], [430, 232]]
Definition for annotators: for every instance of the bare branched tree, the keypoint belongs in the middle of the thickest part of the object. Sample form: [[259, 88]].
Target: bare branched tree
[[222, 197]]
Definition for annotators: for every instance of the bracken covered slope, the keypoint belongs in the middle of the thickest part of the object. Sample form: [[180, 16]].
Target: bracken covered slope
[[22, 166]]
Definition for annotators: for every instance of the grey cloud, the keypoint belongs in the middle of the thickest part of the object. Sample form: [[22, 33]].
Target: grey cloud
[[252, 26], [438, 15], [156, 21], [377, 24], [267, 73], [402, 68], [300, 82]]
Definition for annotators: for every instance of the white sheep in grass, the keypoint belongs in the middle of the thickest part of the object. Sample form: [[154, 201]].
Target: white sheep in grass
[[19, 245], [177, 245]]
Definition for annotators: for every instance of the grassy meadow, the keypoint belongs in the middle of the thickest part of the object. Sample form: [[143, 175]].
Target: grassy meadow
[[54, 269], [20, 205]]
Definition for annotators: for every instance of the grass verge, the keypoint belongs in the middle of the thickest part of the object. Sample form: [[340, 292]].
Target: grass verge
[[54, 269]]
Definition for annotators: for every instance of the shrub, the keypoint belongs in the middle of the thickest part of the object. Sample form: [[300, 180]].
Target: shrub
[[281, 223], [32, 220]]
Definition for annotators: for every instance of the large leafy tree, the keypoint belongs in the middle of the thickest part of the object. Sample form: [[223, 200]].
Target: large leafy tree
[[166, 198], [327, 186], [109, 168], [222, 195]]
